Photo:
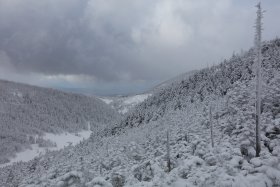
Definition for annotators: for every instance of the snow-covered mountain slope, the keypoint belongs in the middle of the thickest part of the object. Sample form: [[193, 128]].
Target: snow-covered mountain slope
[[174, 80], [29, 111], [134, 152], [208, 84], [48, 142], [123, 104]]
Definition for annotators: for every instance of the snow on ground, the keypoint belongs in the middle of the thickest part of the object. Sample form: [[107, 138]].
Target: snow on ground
[[60, 140], [136, 99], [137, 158], [106, 100], [127, 103], [123, 110], [17, 93], [66, 139], [123, 104]]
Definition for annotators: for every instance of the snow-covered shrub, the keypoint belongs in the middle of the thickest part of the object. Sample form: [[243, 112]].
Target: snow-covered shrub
[[199, 148], [236, 162], [189, 164], [117, 180], [210, 159], [98, 182], [135, 151], [143, 172], [110, 163], [158, 153], [71, 179]]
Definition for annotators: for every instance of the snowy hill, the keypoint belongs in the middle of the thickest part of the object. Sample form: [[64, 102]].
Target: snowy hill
[[208, 84], [175, 80], [135, 151], [27, 112], [123, 104]]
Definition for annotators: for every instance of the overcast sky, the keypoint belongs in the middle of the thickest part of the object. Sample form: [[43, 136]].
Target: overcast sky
[[122, 46]]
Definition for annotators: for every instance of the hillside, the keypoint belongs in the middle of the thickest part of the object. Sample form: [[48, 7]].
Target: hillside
[[29, 111], [123, 104], [174, 80], [134, 151], [208, 84]]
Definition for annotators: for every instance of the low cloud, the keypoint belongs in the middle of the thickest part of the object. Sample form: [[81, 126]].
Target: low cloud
[[111, 42]]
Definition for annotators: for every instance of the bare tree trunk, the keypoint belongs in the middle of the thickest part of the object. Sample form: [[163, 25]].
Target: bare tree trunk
[[100, 167], [107, 149], [187, 136], [211, 125], [168, 152], [227, 103], [258, 77]]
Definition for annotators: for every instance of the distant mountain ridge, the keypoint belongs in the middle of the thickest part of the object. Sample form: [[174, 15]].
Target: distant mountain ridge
[[174, 80], [26, 111], [124, 104]]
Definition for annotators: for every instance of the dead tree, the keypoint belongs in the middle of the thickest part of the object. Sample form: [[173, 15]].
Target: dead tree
[[211, 125], [258, 38], [168, 151]]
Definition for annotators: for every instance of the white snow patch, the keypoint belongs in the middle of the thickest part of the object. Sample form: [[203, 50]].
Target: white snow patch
[[61, 141], [107, 101], [66, 139], [17, 94], [136, 99], [123, 104], [123, 111]]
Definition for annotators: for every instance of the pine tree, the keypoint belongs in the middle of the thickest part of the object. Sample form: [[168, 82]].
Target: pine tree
[[258, 39]]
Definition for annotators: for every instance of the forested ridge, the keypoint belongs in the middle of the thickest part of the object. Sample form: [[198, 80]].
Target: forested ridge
[[212, 82], [26, 111]]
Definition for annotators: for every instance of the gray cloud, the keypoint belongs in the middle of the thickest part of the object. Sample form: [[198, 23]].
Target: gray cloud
[[123, 40]]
